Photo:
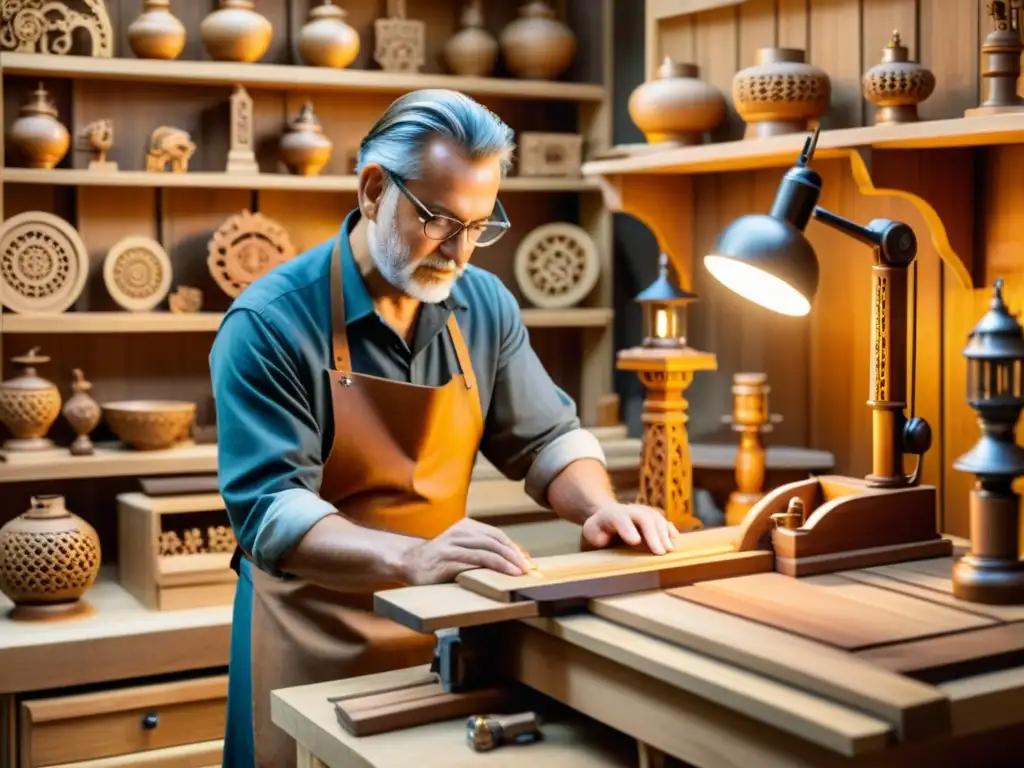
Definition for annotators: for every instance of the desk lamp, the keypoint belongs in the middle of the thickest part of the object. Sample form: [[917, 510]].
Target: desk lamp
[[767, 259]]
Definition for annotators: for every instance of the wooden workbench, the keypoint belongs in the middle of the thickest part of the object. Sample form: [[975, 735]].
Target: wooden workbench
[[874, 667]]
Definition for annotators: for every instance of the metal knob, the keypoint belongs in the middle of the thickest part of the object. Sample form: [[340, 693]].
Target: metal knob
[[150, 721]]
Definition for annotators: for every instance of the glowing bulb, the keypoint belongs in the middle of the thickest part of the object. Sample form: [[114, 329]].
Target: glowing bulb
[[758, 286], [661, 324]]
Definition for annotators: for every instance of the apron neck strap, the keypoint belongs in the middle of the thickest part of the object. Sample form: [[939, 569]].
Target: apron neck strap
[[461, 352], [342, 358]]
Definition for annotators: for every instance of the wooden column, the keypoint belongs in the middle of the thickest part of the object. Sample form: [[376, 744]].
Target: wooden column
[[751, 419], [666, 473]]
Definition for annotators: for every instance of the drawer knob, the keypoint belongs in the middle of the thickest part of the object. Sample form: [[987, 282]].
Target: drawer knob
[[150, 721]]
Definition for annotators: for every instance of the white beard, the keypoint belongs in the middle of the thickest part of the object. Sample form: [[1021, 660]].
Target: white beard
[[391, 255]]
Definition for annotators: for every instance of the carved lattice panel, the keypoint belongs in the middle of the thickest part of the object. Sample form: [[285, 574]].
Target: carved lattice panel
[[43, 264], [47, 26]]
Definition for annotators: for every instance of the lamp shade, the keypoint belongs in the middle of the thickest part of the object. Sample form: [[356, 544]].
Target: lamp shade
[[768, 261]]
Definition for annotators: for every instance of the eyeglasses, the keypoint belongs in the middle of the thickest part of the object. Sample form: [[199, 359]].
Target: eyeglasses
[[437, 226]]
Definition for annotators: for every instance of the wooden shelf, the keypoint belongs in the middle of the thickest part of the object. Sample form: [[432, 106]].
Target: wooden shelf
[[265, 181], [209, 322], [288, 77], [780, 151]]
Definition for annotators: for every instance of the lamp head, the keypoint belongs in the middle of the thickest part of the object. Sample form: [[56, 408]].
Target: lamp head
[[765, 257]]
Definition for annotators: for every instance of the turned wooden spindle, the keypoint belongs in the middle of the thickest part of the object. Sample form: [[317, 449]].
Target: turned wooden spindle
[[750, 417]]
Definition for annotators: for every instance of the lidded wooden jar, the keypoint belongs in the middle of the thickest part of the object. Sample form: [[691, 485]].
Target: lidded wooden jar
[[29, 404], [304, 148], [49, 558], [676, 105], [156, 33], [780, 94], [39, 139], [472, 51], [536, 45], [327, 40], [897, 85], [235, 32]]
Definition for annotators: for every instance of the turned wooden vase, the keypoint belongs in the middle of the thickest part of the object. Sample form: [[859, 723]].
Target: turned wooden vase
[[37, 137], [29, 404], [304, 148], [49, 558], [780, 94], [536, 45], [472, 51], [676, 105], [235, 32], [327, 40], [897, 85], [156, 33], [83, 414]]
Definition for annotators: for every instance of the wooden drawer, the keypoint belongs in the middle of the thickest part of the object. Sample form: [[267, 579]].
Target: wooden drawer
[[206, 754], [123, 721]]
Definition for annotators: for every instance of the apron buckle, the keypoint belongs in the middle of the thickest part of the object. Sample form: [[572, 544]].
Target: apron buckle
[[345, 381]]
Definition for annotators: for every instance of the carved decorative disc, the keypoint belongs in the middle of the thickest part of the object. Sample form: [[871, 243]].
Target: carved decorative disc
[[245, 247], [557, 265], [137, 273], [43, 264]]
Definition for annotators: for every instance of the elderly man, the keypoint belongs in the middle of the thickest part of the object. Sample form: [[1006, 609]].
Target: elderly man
[[354, 386]]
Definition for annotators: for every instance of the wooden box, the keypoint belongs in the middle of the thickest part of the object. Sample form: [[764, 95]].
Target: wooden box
[[166, 569], [550, 154]]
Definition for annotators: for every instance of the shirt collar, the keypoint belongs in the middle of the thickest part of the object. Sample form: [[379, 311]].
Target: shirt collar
[[358, 302]]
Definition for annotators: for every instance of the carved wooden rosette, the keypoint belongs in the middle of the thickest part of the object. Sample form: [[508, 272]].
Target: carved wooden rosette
[[137, 273], [666, 471], [43, 264], [44, 26], [245, 247], [557, 265]]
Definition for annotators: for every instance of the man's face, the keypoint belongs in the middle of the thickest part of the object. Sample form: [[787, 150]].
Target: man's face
[[451, 185]]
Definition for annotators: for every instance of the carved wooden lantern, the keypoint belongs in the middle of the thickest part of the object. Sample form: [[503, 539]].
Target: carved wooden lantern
[[664, 310], [666, 366], [992, 572]]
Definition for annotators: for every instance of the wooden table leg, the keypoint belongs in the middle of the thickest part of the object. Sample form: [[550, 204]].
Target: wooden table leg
[[8, 731], [306, 759]]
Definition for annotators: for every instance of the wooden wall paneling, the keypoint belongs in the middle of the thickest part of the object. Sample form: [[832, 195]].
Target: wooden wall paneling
[[948, 35], [310, 218], [758, 28], [675, 38], [835, 46], [717, 55], [793, 26], [879, 18]]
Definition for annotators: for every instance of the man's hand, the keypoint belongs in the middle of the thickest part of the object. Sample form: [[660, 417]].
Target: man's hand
[[467, 544], [633, 523]]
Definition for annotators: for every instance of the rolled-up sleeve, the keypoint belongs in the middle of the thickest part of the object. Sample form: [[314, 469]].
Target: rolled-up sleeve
[[268, 440], [532, 430]]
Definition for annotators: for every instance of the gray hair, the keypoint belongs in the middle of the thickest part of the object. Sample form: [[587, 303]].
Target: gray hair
[[399, 137]]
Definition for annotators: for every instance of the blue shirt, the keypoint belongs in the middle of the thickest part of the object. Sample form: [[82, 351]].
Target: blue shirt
[[272, 396]]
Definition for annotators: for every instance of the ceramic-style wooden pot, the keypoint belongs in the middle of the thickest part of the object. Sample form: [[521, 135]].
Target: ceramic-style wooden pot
[[49, 558], [327, 40], [37, 137], [235, 32], [536, 45], [472, 51], [83, 414], [156, 33], [676, 105], [304, 148], [29, 404], [151, 425], [897, 85], [780, 94]]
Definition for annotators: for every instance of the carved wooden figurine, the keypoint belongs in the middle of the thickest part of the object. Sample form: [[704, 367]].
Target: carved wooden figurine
[[169, 145], [400, 42], [185, 299], [751, 419], [44, 26], [241, 157], [99, 136]]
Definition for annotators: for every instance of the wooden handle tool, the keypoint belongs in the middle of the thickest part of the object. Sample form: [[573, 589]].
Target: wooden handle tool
[[485, 732]]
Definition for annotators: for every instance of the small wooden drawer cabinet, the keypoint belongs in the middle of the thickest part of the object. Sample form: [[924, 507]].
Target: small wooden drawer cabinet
[[165, 725]]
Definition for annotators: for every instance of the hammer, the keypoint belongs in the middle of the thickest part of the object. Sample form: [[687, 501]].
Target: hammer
[[485, 732]]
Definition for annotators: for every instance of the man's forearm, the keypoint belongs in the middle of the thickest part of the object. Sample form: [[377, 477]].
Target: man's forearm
[[341, 555], [580, 490]]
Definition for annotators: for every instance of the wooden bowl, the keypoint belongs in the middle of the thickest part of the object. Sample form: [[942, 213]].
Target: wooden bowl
[[150, 425]]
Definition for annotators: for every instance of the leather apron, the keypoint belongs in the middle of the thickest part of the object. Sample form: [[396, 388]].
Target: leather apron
[[401, 461]]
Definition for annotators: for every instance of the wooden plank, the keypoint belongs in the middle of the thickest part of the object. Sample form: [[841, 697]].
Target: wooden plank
[[792, 21], [915, 710], [834, 42], [823, 613], [809, 717], [948, 47], [439, 606], [948, 657], [985, 702]]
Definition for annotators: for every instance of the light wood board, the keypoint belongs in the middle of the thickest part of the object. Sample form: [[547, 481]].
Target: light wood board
[[440, 606]]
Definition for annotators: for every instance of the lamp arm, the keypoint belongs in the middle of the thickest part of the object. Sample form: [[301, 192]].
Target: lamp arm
[[847, 227]]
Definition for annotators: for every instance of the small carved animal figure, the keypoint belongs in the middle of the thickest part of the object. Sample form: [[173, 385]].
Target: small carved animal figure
[[169, 145]]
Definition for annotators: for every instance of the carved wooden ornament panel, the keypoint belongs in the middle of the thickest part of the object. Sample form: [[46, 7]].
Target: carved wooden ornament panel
[[246, 246], [45, 26], [557, 265], [137, 273], [43, 264]]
